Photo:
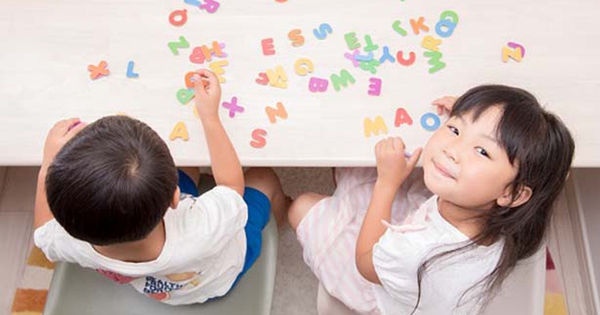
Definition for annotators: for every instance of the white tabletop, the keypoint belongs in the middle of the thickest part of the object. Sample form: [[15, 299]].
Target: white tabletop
[[48, 45]]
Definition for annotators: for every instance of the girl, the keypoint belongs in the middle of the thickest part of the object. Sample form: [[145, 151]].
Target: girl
[[382, 244]]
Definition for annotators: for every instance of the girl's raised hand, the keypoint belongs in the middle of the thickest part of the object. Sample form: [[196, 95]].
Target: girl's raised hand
[[445, 104], [392, 166], [207, 91]]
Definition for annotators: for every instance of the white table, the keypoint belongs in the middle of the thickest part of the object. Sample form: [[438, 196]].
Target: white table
[[48, 45]]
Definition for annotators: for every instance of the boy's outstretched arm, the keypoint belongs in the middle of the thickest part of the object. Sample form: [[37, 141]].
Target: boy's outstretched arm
[[62, 132], [225, 163], [392, 170]]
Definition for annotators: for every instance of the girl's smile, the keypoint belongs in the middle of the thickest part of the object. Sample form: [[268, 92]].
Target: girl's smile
[[444, 171]]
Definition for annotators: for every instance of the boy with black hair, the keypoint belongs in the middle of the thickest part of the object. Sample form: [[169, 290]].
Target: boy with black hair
[[109, 197]]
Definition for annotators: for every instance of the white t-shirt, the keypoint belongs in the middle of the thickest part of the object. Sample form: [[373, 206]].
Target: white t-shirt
[[203, 254], [402, 249]]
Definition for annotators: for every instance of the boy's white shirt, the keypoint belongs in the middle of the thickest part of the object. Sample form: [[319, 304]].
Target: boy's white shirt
[[402, 249], [203, 254]]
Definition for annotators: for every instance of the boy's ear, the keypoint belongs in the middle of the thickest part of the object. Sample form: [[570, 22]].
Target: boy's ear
[[175, 200], [523, 195]]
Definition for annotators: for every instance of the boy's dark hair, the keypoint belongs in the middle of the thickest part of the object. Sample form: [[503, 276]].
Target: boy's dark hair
[[112, 182], [541, 147]]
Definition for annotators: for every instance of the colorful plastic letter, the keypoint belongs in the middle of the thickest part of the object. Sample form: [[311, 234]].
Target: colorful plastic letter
[[322, 31], [419, 25], [203, 53], [430, 43], [370, 46], [182, 43], [352, 57], [296, 37], [352, 41], [398, 29], [386, 56], [375, 87], [367, 57], [374, 127], [197, 56], [447, 23], [217, 68], [210, 6], [277, 77], [99, 70], [370, 66], [303, 66], [184, 96], [402, 117], [406, 62], [189, 81], [195, 3], [262, 79], [435, 60], [515, 46], [430, 121], [317, 85], [514, 51], [280, 112], [214, 51], [178, 17], [268, 48], [130, 73], [342, 79], [258, 136], [180, 131], [233, 107]]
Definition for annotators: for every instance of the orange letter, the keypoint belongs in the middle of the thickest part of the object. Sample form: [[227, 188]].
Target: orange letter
[[279, 112], [296, 37]]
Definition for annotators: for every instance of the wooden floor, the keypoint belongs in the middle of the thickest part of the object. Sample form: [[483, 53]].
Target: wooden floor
[[17, 197]]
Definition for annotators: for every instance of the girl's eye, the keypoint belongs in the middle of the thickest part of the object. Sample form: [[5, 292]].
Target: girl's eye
[[453, 129], [482, 151]]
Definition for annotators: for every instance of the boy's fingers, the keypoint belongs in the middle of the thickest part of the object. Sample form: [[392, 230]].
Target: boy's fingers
[[212, 78], [75, 129], [63, 126]]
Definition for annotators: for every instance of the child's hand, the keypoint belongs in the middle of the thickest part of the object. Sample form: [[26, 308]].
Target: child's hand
[[444, 104], [62, 132], [392, 167], [208, 93]]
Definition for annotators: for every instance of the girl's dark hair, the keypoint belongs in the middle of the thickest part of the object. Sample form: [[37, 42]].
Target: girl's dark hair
[[540, 145], [112, 182]]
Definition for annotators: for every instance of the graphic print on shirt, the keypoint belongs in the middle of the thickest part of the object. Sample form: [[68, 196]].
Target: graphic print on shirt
[[115, 276], [154, 285], [160, 289]]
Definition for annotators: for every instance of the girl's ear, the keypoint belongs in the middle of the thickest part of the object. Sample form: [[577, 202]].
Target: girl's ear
[[175, 200], [523, 196]]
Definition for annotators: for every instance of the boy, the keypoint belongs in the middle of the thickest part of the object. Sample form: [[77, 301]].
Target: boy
[[108, 199]]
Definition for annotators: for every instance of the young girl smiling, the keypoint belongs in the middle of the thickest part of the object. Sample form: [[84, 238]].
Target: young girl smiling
[[382, 244]]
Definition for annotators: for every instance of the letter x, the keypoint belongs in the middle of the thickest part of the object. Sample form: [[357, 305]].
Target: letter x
[[96, 71], [233, 107]]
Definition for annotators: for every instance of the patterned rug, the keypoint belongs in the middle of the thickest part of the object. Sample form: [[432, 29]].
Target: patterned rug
[[30, 296]]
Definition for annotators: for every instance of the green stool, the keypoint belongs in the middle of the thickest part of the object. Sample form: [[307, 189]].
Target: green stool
[[78, 291]]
